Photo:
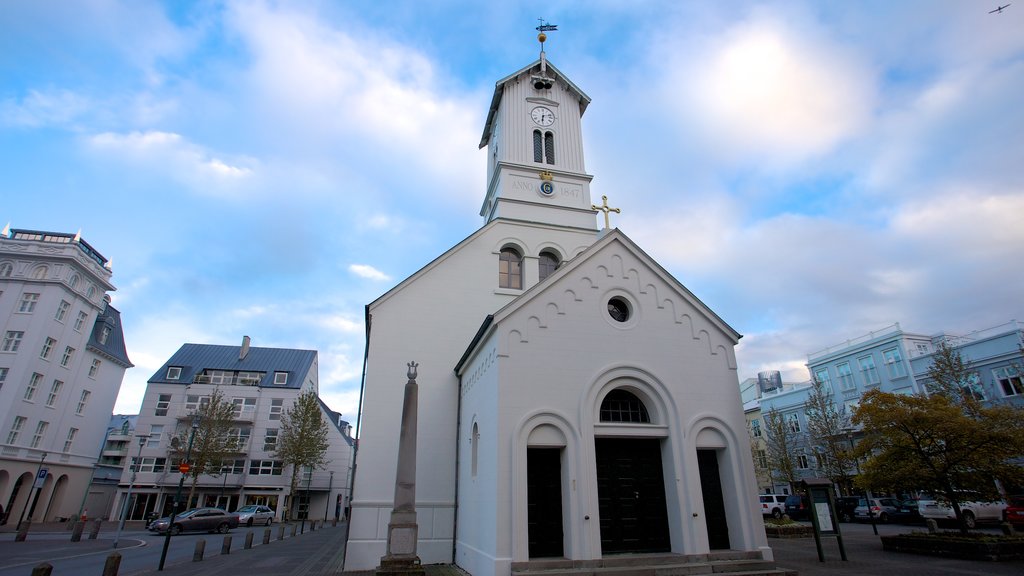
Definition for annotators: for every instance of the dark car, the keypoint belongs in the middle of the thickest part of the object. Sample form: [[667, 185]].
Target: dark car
[[197, 520], [906, 512], [1014, 511], [845, 505], [798, 506]]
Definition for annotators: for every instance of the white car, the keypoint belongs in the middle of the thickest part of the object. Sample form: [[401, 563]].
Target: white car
[[773, 505], [974, 511], [255, 514]]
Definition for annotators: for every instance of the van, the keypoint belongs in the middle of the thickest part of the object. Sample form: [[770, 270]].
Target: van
[[773, 505]]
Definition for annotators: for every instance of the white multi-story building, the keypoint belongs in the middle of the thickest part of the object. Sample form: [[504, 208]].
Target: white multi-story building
[[62, 359], [262, 383]]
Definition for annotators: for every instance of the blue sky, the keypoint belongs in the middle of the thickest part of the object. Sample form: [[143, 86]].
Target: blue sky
[[812, 171]]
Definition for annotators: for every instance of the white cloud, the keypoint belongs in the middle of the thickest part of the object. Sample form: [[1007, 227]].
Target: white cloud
[[340, 323], [43, 108], [367, 271]]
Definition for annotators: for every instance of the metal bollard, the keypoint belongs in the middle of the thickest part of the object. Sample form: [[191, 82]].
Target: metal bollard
[[334, 523], [266, 535], [295, 528], [280, 532], [932, 525], [76, 533], [197, 556], [23, 531], [312, 526], [94, 531], [248, 540], [43, 569], [112, 565], [225, 548]]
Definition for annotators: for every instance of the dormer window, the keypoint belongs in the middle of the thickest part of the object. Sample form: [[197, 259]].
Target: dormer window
[[280, 378], [173, 372], [510, 269], [543, 147]]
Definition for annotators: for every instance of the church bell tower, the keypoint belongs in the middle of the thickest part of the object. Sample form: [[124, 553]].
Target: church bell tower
[[534, 138]]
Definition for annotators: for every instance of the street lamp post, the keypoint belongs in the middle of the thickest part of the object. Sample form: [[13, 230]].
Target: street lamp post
[[184, 468], [327, 508], [308, 480], [131, 484], [870, 500]]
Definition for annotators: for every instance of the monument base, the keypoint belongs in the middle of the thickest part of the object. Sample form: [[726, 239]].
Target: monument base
[[401, 558], [394, 566]]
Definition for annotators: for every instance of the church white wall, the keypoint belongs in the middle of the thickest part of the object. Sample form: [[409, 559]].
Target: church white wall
[[431, 318], [560, 353], [516, 137]]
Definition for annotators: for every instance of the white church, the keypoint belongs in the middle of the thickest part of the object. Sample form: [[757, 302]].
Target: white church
[[576, 401]]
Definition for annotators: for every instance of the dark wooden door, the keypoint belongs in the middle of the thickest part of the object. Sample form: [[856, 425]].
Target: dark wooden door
[[544, 502], [631, 495], [714, 503]]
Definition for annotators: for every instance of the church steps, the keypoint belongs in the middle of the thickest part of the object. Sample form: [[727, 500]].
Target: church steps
[[732, 563]]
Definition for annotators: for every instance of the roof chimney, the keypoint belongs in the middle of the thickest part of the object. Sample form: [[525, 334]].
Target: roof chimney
[[245, 349]]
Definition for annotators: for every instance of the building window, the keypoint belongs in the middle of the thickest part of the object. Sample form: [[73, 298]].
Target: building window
[[510, 269], [74, 282], [156, 432], [47, 348], [240, 436], [543, 147], [40, 273], [16, 426], [894, 363], [51, 398], [243, 407], [173, 372], [801, 461], [6, 269], [33, 385], [69, 353], [824, 378], [974, 387], [868, 370], [538, 146], [755, 428], [104, 334], [163, 402], [549, 147], [193, 402], [37, 438], [623, 406], [280, 378], [793, 421], [90, 292], [265, 467], [70, 439], [94, 368], [762, 459], [276, 407], [28, 302], [3, 377], [270, 440], [232, 467], [82, 401], [62, 311], [80, 320], [548, 264], [154, 465], [1009, 380], [12, 341], [845, 376]]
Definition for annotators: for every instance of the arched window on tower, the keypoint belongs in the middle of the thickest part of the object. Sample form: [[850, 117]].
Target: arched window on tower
[[548, 264], [6, 269], [510, 269], [623, 406], [543, 147]]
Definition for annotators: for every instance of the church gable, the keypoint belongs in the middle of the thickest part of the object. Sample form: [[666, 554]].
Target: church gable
[[615, 288]]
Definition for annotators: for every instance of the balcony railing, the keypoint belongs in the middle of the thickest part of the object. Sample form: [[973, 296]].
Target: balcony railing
[[227, 380]]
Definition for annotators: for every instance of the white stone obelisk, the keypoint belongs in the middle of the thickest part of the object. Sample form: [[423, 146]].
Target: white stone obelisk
[[401, 558]]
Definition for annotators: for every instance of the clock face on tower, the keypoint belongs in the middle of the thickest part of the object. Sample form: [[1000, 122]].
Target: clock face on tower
[[542, 116]]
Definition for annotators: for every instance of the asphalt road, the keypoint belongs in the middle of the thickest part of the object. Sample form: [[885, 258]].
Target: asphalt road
[[140, 550]]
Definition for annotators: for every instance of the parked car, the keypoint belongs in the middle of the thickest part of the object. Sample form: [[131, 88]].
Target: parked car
[[1014, 511], [906, 512], [845, 506], [798, 506], [881, 508], [974, 508], [255, 514], [196, 520], [773, 505]]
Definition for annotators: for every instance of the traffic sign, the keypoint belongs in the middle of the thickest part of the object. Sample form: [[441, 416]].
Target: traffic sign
[[184, 467], [41, 477]]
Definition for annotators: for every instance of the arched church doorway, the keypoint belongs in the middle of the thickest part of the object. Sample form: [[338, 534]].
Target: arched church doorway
[[714, 501], [544, 502], [630, 482]]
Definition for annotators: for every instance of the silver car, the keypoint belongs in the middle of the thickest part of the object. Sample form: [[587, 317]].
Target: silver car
[[255, 514]]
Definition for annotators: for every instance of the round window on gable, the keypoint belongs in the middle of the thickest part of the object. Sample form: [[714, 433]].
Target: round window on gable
[[619, 309]]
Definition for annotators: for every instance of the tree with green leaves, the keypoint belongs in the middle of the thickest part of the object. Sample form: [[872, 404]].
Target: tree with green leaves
[[214, 440], [302, 442], [827, 427], [781, 444], [954, 378], [932, 443]]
